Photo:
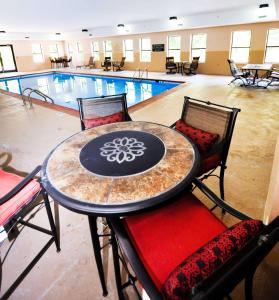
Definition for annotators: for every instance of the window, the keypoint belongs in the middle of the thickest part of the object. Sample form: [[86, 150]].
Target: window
[[70, 50], [53, 50], [174, 47], [95, 50], [80, 55], [37, 53], [272, 46], [145, 49], [240, 46], [128, 50], [108, 49], [198, 46]]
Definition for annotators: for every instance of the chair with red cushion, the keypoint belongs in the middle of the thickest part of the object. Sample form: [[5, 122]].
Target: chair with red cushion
[[94, 112], [210, 126], [181, 250], [18, 197], [102, 110]]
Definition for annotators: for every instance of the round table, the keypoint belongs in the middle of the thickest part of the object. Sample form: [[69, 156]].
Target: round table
[[119, 169]]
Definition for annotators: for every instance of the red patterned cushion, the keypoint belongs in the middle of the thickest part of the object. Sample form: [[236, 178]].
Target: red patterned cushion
[[117, 117], [208, 258], [7, 182], [204, 140], [164, 237]]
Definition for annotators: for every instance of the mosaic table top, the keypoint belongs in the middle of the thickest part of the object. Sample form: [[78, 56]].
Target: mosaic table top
[[119, 164]]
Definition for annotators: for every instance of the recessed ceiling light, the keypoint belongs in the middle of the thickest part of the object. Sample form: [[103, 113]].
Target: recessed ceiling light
[[173, 18], [261, 17], [90, 34], [27, 37], [181, 24], [84, 30], [120, 25], [2, 31], [58, 33]]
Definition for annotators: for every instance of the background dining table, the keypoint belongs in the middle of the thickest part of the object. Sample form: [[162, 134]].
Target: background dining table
[[257, 68]]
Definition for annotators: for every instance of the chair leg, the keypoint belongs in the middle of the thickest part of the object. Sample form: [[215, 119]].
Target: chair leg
[[97, 251], [221, 182], [117, 267], [249, 285], [51, 221]]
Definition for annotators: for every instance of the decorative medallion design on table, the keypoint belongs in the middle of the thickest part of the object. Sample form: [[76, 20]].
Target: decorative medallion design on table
[[122, 153], [122, 149]]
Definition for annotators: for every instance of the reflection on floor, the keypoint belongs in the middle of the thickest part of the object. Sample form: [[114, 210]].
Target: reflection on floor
[[29, 135]]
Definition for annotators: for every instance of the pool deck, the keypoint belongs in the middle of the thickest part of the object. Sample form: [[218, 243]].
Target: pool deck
[[28, 135]]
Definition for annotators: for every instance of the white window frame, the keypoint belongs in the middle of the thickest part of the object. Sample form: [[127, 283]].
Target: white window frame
[[38, 53], [95, 52], [56, 53], [267, 46], [106, 52], [145, 50], [191, 55], [126, 51], [237, 47], [70, 49], [169, 36]]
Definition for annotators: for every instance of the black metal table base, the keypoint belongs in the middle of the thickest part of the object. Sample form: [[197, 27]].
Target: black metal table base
[[97, 252]]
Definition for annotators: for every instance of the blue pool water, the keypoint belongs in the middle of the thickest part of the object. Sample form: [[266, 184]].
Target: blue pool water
[[64, 88]]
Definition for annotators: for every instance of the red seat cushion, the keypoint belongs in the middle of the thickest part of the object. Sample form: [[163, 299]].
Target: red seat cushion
[[209, 163], [164, 237], [7, 182], [117, 117], [204, 140], [200, 265]]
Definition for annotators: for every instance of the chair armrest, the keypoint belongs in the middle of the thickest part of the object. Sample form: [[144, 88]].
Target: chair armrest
[[20, 185], [219, 202]]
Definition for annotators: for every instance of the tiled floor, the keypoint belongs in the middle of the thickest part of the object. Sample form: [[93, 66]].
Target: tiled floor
[[29, 135]]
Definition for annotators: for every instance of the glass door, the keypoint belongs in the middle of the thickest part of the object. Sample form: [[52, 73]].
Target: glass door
[[7, 63]]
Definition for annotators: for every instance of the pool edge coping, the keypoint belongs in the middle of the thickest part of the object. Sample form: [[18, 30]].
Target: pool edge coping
[[74, 112]]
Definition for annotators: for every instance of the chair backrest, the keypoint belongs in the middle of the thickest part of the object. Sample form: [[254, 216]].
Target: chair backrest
[[101, 106], [91, 60], [212, 118], [107, 58], [195, 62], [233, 67], [122, 61], [169, 59]]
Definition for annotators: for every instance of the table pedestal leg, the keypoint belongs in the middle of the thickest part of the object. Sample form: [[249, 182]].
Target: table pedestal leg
[[97, 251]]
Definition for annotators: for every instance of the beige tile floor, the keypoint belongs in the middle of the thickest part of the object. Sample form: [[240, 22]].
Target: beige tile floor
[[29, 135]]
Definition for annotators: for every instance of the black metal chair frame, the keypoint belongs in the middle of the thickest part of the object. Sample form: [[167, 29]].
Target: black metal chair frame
[[238, 75], [107, 63], [93, 219], [18, 218], [171, 65], [117, 66], [221, 147], [191, 67], [218, 285], [103, 98]]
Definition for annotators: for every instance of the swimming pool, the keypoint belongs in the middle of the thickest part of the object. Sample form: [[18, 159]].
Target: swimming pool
[[64, 88]]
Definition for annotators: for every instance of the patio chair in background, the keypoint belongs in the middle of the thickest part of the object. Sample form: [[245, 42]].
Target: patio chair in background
[[19, 196], [191, 68], [210, 126], [204, 259], [91, 64], [237, 74], [107, 63], [118, 65], [171, 65], [272, 76]]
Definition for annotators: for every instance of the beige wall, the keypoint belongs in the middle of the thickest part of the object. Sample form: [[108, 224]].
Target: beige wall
[[217, 52], [23, 54]]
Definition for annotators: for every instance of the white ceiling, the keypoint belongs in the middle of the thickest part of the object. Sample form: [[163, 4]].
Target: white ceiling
[[41, 19]]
